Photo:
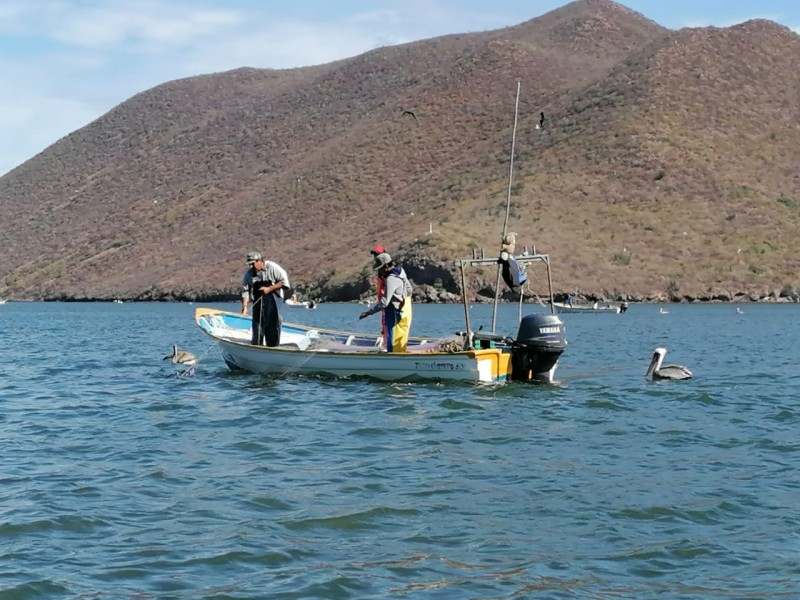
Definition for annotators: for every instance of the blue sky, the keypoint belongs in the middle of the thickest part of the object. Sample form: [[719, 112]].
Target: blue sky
[[64, 63]]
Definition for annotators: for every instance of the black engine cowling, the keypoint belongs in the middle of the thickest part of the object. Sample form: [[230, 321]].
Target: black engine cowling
[[537, 348]]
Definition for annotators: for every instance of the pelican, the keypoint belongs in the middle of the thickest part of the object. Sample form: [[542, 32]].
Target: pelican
[[739, 311], [667, 371], [663, 311], [182, 357]]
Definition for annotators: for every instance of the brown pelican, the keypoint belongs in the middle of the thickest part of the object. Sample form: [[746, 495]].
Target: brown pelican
[[667, 371], [181, 357]]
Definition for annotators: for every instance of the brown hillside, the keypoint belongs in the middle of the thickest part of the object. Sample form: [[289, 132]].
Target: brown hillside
[[667, 163], [682, 156]]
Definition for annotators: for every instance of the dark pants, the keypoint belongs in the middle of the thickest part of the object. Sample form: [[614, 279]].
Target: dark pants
[[266, 322]]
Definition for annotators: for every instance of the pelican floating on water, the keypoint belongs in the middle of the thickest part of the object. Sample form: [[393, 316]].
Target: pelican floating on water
[[663, 311], [667, 371], [182, 357]]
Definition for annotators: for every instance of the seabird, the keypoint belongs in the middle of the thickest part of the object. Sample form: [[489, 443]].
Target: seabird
[[663, 311], [667, 371], [408, 112], [182, 357], [541, 120]]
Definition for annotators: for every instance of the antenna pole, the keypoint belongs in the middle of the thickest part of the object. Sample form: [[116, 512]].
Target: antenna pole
[[508, 207]]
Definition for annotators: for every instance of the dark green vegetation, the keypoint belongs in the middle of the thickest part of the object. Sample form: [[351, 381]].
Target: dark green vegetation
[[668, 166]]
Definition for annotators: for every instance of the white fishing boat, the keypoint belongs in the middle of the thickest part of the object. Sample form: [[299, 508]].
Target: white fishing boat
[[475, 356], [597, 307], [294, 303]]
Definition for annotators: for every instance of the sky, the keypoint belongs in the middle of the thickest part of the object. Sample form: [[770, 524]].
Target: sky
[[65, 63]]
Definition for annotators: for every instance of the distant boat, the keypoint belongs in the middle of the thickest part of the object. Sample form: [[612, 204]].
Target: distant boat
[[597, 307], [291, 302], [2, 301]]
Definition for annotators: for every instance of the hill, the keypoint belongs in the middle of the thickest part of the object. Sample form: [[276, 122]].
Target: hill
[[666, 166]]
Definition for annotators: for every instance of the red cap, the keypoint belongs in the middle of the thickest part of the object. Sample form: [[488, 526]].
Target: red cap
[[377, 250]]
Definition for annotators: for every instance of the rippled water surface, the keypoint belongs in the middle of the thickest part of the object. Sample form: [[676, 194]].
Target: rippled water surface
[[121, 479]]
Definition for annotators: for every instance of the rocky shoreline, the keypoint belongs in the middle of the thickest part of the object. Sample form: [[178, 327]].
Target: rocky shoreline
[[424, 294]]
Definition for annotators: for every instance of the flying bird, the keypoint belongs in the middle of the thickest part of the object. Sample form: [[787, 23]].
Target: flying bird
[[658, 371], [408, 112], [182, 357]]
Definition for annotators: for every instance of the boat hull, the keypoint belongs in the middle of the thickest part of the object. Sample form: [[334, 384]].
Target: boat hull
[[480, 365]]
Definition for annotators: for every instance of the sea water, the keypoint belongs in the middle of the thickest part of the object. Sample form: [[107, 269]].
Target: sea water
[[120, 478]]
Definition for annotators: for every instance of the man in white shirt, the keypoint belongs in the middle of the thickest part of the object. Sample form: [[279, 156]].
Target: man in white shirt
[[263, 284]]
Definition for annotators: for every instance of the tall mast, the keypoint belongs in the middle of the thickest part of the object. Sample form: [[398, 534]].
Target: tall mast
[[508, 207]]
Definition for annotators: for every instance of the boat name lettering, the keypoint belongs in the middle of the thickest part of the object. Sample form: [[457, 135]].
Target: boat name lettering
[[551, 329], [437, 366]]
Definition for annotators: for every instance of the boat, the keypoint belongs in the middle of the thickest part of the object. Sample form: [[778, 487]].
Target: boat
[[294, 303], [597, 307], [470, 355]]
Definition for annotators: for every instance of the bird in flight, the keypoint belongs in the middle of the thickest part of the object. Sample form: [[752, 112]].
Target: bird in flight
[[408, 112]]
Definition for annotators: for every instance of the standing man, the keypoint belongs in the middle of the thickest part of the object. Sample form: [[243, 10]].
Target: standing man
[[263, 284], [379, 283], [395, 302]]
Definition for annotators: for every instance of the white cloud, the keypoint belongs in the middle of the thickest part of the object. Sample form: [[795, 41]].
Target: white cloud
[[162, 24], [35, 122]]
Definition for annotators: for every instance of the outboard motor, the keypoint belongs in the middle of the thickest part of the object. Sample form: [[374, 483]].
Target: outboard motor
[[539, 344]]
